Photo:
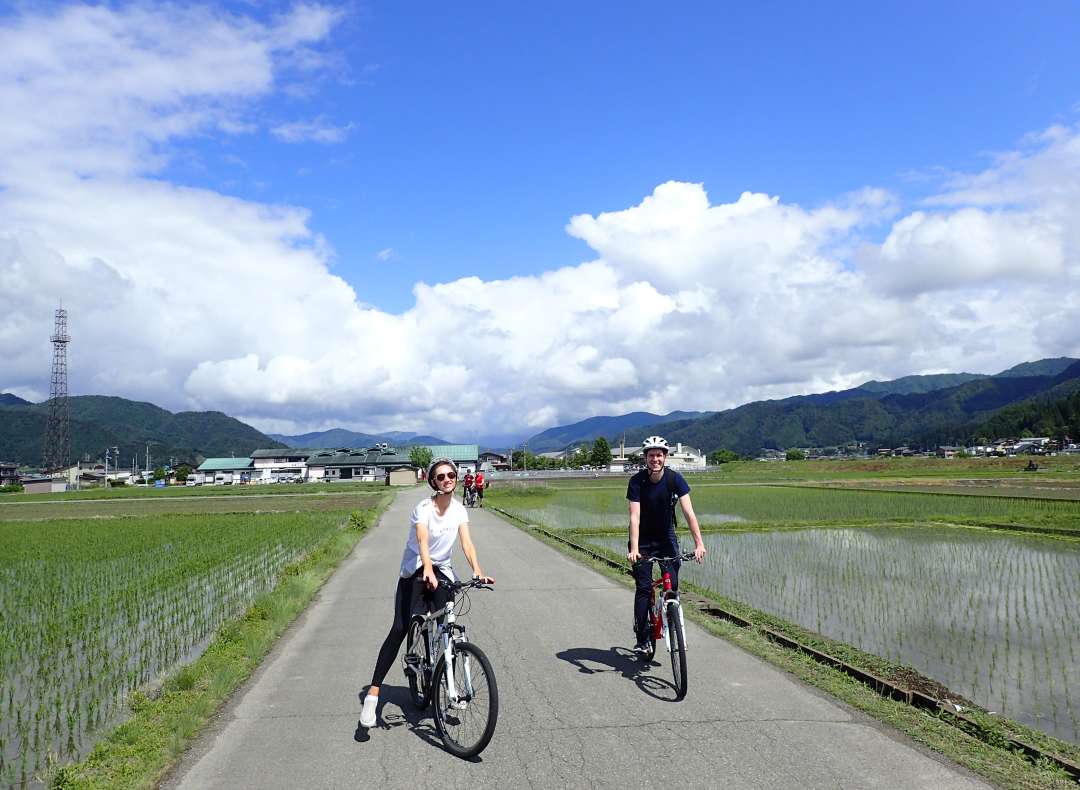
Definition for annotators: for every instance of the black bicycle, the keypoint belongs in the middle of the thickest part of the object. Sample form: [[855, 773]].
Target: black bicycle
[[443, 666]]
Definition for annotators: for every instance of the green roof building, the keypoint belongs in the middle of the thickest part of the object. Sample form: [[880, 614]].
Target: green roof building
[[458, 453]]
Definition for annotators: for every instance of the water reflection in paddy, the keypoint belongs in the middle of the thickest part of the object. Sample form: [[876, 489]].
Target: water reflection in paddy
[[993, 617]]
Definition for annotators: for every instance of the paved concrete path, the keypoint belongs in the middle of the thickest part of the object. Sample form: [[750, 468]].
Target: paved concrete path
[[576, 709]]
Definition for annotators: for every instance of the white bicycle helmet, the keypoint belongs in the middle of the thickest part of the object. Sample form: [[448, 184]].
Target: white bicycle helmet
[[436, 463], [655, 443]]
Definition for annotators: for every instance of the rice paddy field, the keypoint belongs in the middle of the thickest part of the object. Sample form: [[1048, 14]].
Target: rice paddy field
[[908, 576], [96, 608]]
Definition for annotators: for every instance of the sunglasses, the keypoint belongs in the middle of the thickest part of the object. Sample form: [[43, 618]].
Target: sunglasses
[[446, 475]]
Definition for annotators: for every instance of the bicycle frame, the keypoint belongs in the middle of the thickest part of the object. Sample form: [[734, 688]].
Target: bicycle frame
[[662, 594], [440, 628]]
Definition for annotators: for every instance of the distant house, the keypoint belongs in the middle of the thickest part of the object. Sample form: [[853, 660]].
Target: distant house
[[401, 477], [371, 465], [222, 471], [286, 463], [43, 485], [9, 473], [685, 458], [492, 460], [466, 456], [947, 451]]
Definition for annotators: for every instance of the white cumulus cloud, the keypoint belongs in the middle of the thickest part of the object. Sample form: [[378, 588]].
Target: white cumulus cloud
[[196, 299]]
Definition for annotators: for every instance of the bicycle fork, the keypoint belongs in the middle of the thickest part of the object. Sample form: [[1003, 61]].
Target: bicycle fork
[[670, 595], [449, 657]]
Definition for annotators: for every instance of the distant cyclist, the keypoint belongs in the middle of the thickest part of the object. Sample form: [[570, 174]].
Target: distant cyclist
[[479, 484], [437, 522], [467, 487], [652, 494]]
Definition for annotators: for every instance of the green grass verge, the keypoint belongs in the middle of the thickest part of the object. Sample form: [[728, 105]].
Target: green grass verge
[[981, 752], [138, 753]]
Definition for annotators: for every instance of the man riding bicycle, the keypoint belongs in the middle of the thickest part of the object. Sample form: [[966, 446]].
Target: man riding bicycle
[[652, 494], [479, 483], [467, 490]]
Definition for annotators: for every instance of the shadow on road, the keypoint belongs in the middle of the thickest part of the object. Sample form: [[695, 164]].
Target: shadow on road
[[401, 713], [593, 660]]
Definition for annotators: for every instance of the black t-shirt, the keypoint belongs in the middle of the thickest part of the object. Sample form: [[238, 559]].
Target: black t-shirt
[[656, 530]]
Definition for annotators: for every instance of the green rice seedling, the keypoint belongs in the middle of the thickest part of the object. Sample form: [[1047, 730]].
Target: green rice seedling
[[95, 609]]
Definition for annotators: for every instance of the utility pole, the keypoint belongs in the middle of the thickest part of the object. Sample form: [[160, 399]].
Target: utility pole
[[525, 455]]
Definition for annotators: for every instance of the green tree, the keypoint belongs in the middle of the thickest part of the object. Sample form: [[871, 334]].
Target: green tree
[[601, 453], [795, 454], [579, 458], [723, 457], [420, 457], [182, 473], [159, 473]]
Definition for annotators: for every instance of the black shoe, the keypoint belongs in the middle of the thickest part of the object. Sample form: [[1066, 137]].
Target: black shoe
[[642, 647]]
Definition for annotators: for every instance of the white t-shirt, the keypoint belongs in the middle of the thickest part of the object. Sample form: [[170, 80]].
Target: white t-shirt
[[442, 533]]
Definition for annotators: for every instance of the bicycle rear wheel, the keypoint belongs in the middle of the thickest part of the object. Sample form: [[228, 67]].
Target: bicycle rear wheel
[[677, 643], [466, 726], [416, 664]]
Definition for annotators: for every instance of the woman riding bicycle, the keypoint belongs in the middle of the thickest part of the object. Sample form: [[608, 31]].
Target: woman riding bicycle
[[436, 523], [652, 494]]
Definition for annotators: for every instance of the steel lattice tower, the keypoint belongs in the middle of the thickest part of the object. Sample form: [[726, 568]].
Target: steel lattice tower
[[57, 452]]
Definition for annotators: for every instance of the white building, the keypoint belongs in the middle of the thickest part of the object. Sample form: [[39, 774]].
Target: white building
[[685, 458]]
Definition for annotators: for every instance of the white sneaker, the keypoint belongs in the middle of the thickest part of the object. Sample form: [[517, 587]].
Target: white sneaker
[[367, 714]]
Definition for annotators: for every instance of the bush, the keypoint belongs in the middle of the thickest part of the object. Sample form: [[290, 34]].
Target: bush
[[13, 488]]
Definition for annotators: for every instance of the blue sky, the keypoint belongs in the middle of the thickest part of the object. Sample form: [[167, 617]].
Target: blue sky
[[477, 130], [482, 220]]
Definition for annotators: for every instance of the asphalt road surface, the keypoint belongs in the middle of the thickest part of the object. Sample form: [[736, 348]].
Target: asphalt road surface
[[576, 709]]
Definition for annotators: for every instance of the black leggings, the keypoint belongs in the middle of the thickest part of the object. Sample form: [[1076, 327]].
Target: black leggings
[[412, 597]]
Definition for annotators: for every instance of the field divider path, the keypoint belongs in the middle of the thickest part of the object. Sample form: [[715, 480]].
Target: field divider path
[[576, 708]]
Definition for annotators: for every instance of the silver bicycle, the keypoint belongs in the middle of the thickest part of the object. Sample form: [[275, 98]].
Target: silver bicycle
[[443, 667]]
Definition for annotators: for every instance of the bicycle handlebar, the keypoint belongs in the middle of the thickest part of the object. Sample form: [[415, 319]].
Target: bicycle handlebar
[[472, 583], [686, 555]]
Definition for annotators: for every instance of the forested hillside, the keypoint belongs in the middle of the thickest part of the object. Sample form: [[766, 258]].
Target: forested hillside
[[942, 416], [100, 421]]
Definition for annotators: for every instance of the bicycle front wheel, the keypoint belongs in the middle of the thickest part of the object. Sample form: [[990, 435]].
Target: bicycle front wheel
[[416, 663], [677, 643], [467, 723]]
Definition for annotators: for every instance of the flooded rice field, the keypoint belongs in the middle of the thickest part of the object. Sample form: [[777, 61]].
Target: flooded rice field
[[993, 617]]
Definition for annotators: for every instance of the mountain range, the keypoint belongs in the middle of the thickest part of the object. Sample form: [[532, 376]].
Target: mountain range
[[561, 436], [1042, 397], [99, 421], [914, 410]]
